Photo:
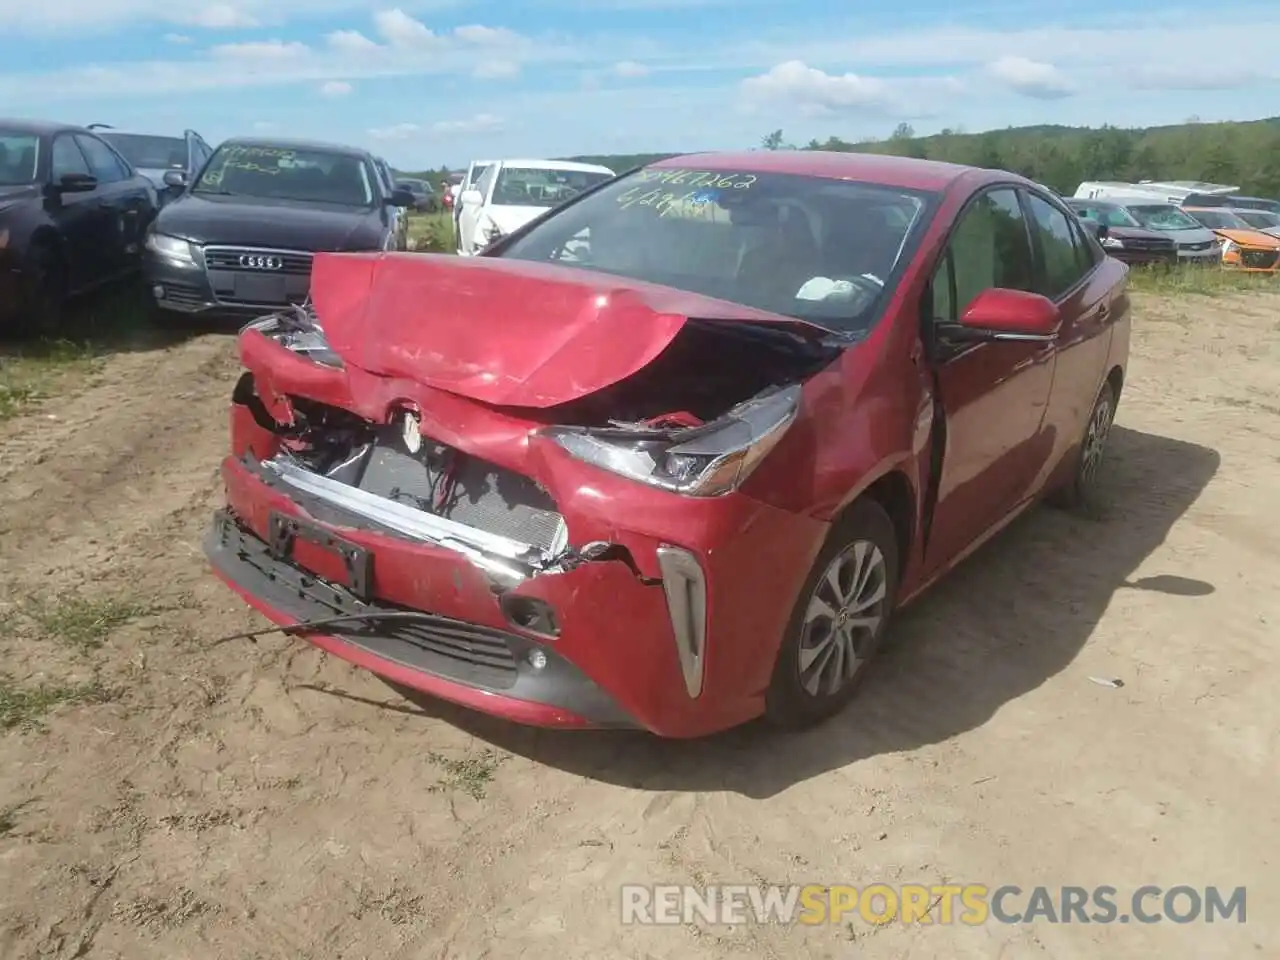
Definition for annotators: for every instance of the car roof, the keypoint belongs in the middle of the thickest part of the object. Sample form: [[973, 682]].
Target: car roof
[[286, 143], [905, 172], [567, 165], [41, 127], [108, 131]]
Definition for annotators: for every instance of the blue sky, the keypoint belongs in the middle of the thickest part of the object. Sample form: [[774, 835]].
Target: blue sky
[[443, 81]]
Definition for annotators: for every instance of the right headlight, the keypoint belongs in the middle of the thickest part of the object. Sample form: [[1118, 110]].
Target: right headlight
[[175, 248], [704, 461]]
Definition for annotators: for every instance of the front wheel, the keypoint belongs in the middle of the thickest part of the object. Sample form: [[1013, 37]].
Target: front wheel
[[839, 621]]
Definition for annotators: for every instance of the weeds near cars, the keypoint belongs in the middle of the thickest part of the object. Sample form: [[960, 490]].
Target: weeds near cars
[[1202, 280], [471, 775], [431, 232], [22, 707], [31, 373], [84, 623]]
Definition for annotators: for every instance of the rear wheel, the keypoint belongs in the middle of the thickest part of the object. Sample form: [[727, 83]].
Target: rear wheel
[[839, 621], [1081, 491]]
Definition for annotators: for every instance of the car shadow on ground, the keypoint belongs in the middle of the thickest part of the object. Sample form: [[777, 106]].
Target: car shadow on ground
[[1008, 619], [119, 318]]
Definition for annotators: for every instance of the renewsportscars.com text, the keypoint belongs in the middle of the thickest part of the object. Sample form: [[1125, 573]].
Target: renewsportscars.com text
[[967, 904]]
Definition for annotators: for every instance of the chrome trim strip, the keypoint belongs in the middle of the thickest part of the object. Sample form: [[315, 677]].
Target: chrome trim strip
[[224, 248], [406, 520], [685, 586]]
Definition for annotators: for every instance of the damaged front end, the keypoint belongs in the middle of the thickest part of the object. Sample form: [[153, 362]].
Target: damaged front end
[[594, 504]]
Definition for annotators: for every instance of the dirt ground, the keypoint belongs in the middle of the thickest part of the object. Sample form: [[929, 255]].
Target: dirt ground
[[163, 798]]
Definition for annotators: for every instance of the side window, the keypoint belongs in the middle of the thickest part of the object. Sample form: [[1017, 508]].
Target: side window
[[67, 158], [989, 248], [1087, 249], [1063, 263], [106, 166], [485, 183]]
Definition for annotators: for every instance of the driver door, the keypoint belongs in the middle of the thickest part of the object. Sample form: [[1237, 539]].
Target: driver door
[[469, 219], [993, 396]]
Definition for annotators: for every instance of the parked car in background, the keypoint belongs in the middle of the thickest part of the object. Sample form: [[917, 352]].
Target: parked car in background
[[73, 214], [1243, 247], [686, 477], [510, 193], [1122, 236], [425, 199], [399, 215], [242, 238], [1232, 200], [154, 155], [1196, 243], [1263, 220]]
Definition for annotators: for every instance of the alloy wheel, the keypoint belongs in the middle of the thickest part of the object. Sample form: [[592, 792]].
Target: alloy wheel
[[842, 618], [1095, 441]]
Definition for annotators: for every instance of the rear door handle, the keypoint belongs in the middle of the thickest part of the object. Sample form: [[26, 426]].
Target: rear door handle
[[1103, 313]]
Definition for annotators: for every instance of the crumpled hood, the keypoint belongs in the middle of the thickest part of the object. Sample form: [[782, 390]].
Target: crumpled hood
[[503, 332]]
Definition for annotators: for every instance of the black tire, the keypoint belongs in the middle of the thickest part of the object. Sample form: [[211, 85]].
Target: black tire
[[791, 702], [45, 288], [1080, 492]]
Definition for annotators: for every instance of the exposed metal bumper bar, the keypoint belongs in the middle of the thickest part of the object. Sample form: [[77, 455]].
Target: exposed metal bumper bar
[[500, 555]]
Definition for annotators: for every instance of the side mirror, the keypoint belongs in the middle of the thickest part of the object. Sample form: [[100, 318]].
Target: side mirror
[[472, 196], [77, 183], [176, 179], [401, 197], [998, 314]]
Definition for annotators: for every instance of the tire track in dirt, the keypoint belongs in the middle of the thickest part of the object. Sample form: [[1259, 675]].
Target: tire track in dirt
[[133, 449]]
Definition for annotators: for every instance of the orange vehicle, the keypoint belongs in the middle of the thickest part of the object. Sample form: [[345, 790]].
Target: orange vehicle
[[1243, 246]]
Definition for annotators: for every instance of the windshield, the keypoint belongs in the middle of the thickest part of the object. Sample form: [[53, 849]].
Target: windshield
[[815, 249], [1260, 219], [150, 153], [1219, 219], [1111, 216], [279, 173], [1163, 216], [19, 157], [538, 187]]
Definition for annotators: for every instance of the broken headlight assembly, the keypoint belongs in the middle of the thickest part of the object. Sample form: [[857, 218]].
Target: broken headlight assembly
[[705, 461], [298, 330]]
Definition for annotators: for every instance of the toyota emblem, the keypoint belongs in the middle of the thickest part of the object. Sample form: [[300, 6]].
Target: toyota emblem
[[259, 262]]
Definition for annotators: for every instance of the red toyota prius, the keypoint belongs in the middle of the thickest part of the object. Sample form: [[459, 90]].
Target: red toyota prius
[[671, 455]]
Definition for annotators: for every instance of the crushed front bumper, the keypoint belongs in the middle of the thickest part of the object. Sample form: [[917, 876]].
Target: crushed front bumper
[[592, 644]]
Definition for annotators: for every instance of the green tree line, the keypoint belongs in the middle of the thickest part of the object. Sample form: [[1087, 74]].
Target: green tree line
[[1244, 154]]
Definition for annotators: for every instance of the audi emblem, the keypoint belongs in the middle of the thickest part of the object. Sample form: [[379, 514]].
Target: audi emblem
[[258, 262]]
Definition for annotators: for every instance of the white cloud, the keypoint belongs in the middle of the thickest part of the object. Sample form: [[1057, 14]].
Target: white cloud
[[808, 90], [261, 50], [335, 88], [220, 16], [352, 42], [630, 68], [176, 38], [480, 123], [487, 36], [496, 69], [1031, 78], [401, 30]]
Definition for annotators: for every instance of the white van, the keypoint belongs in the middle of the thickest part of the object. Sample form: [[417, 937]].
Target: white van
[[1150, 205]]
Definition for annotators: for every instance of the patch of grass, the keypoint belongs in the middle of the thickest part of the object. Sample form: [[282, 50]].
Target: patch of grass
[[31, 373], [22, 707], [1202, 280], [471, 775], [431, 232], [84, 622]]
